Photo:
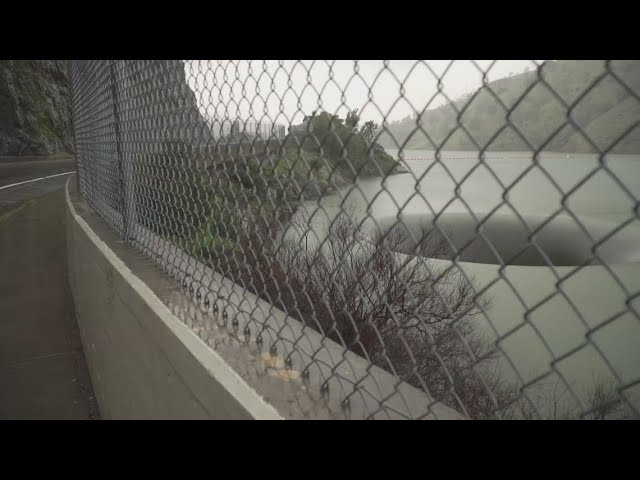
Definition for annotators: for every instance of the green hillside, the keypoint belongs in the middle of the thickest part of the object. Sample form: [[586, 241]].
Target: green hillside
[[530, 111]]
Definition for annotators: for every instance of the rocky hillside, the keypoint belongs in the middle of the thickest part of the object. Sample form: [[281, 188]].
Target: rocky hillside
[[604, 106], [35, 105], [160, 106], [35, 108]]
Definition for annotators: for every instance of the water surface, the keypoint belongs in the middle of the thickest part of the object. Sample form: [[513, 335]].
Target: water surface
[[576, 321]]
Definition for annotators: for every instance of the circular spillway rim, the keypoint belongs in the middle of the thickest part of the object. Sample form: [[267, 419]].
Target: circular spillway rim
[[621, 248]]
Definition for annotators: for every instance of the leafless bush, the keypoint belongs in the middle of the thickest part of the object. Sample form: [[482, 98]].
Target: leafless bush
[[402, 314], [601, 401], [605, 403]]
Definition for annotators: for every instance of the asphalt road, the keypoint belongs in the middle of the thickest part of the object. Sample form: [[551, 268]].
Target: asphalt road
[[43, 373], [17, 169]]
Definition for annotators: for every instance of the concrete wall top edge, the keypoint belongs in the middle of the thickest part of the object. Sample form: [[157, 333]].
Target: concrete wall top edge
[[251, 372]]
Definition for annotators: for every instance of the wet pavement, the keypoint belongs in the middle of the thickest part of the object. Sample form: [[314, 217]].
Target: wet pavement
[[43, 374], [18, 169]]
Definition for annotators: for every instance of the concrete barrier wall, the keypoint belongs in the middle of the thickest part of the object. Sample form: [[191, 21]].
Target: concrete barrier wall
[[144, 362], [153, 354]]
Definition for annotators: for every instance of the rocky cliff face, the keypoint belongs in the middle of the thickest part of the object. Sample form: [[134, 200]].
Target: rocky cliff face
[[159, 106], [35, 107]]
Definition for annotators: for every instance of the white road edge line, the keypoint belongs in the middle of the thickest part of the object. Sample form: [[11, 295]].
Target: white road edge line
[[36, 179], [245, 395]]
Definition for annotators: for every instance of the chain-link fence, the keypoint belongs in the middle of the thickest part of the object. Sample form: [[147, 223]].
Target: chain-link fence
[[400, 246]]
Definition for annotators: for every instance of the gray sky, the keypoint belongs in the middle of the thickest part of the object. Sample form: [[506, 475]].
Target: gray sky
[[283, 91]]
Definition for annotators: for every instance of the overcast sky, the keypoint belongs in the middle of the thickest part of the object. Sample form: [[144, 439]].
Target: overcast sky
[[283, 91]]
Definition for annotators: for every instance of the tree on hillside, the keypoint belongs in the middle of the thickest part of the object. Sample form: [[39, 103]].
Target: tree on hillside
[[368, 130], [352, 120], [235, 129]]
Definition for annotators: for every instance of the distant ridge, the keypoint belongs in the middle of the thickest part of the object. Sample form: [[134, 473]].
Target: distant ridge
[[608, 113]]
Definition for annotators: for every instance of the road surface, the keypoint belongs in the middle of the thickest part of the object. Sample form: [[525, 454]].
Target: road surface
[[43, 374]]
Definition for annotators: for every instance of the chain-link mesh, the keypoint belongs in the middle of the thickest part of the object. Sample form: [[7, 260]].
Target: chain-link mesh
[[480, 253]]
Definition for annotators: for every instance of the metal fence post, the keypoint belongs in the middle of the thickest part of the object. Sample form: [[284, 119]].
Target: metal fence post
[[116, 118]]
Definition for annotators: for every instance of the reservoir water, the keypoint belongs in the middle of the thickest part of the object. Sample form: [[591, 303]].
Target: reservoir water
[[577, 321]]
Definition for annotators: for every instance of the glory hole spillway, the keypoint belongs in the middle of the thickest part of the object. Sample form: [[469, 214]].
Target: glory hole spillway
[[562, 268]]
